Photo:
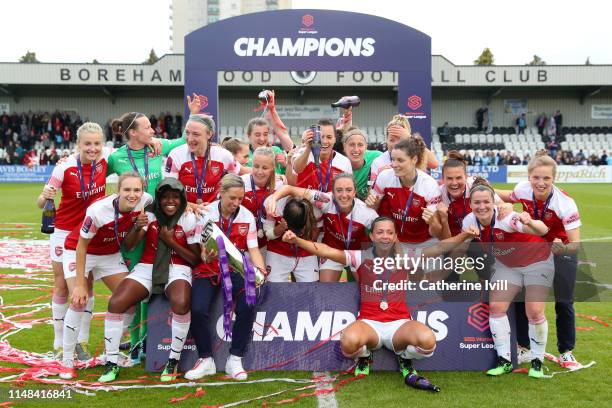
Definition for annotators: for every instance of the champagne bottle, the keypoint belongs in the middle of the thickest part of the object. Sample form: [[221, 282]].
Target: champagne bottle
[[48, 217]]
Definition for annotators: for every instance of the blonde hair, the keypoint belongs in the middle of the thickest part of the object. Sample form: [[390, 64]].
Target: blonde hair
[[88, 127], [352, 132], [127, 175], [230, 181], [268, 152], [541, 158], [399, 120]]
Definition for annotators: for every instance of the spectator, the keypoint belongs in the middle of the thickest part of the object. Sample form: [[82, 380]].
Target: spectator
[[514, 159], [53, 157], [526, 159], [486, 159], [66, 137], [604, 158], [541, 123], [480, 114], [552, 146], [477, 160], [552, 128], [521, 124], [558, 119], [444, 131]]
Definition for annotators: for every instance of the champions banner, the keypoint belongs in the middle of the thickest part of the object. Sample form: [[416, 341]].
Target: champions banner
[[297, 327], [25, 174]]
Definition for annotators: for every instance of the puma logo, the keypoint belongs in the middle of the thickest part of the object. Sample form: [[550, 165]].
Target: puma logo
[[71, 328], [107, 339], [392, 195], [179, 339]]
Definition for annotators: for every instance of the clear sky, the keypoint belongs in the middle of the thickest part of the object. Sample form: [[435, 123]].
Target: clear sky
[[126, 30]]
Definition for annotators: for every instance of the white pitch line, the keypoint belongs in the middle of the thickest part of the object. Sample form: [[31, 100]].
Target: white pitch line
[[327, 400], [596, 239]]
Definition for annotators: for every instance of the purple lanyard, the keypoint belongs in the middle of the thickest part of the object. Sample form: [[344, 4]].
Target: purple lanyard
[[466, 199], [260, 207], [386, 279], [199, 179], [230, 222], [408, 204], [492, 225], [82, 178], [146, 164], [327, 176], [536, 214], [116, 226], [346, 238]]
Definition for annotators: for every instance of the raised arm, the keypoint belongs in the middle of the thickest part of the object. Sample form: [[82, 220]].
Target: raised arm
[[279, 127], [316, 248]]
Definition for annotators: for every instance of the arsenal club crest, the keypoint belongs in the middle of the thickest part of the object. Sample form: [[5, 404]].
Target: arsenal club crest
[[58, 251], [72, 266], [243, 229], [499, 235], [416, 202], [215, 170], [179, 233], [547, 216]]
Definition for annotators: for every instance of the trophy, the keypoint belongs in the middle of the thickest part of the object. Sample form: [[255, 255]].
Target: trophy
[[211, 235]]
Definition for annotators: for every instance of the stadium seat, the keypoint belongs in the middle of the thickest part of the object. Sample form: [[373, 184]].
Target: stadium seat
[[371, 131], [223, 131], [293, 131], [482, 138], [240, 133], [231, 131]]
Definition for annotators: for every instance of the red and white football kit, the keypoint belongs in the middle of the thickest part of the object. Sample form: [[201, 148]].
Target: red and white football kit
[[106, 228], [79, 190], [201, 183], [254, 198], [321, 179]]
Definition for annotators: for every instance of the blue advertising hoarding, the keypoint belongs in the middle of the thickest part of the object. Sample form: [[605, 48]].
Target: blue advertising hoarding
[[495, 174], [25, 174]]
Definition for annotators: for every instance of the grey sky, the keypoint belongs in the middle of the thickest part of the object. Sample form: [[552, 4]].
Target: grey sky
[[126, 30]]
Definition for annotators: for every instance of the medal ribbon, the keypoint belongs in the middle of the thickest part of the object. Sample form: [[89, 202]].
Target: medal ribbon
[[466, 203], [260, 207], [346, 238], [146, 164], [536, 214], [327, 176], [199, 178], [82, 178], [407, 208]]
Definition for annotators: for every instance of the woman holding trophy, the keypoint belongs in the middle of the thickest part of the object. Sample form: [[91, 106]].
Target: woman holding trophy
[[231, 224]]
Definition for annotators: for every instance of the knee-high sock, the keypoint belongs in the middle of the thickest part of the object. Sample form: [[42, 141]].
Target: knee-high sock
[[538, 334], [86, 320], [59, 306], [113, 328], [127, 319], [416, 353], [500, 328], [135, 328], [72, 323], [144, 315], [180, 327]]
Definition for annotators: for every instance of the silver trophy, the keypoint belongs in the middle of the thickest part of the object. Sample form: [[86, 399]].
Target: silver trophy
[[210, 234]]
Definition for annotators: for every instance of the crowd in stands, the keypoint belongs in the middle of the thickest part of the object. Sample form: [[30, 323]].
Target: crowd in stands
[[45, 137]]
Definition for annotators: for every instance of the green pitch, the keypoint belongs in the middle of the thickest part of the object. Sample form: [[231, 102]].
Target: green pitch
[[589, 387]]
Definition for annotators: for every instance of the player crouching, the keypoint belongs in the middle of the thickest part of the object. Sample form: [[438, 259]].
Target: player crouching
[[384, 319]]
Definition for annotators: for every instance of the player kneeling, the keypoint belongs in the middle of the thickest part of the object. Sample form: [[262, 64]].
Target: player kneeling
[[384, 319]]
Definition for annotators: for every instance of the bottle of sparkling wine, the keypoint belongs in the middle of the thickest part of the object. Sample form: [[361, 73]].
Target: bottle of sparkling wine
[[48, 218]]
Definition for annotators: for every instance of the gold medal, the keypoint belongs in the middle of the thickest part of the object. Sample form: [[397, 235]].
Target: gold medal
[[384, 305], [260, 233]]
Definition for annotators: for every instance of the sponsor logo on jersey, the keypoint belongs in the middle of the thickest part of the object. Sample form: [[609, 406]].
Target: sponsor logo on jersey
[[87, 224]]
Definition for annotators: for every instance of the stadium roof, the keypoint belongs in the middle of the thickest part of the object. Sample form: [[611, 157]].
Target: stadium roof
[[169, 72]]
